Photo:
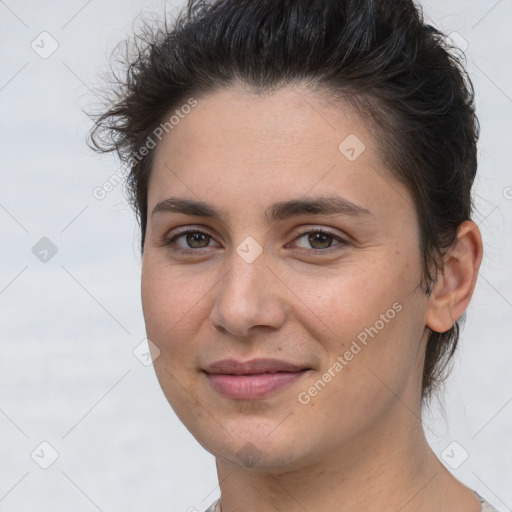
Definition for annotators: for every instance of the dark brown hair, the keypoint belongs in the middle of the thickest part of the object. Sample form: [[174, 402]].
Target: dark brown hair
[[398, 72]]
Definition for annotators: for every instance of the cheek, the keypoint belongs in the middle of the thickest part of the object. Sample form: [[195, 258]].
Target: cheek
[[175, 306], [345, 300], [370, 316], [172, 308]]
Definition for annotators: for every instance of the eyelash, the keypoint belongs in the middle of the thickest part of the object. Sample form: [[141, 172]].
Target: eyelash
[[341, 242]]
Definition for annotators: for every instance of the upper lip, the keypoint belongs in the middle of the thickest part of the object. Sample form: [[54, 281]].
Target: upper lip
[[254, 366]]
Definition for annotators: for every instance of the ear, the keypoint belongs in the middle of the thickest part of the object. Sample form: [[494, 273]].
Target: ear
[[456, 281]]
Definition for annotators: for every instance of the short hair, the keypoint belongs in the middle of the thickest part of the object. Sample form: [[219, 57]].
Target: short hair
[[400, 74]]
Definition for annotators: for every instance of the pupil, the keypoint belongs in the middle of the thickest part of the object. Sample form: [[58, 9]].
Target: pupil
[[323, 238], [194, 239]]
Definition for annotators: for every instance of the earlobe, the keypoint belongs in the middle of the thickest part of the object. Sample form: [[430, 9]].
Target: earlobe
[[456, 281]]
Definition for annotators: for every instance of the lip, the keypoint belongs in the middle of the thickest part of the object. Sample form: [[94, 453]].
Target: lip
[[249, 380]]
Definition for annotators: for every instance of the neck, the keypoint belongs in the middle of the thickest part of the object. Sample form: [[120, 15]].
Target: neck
[[384, 468]]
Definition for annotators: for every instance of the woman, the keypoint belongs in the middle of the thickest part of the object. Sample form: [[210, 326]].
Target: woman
[[302, 171]]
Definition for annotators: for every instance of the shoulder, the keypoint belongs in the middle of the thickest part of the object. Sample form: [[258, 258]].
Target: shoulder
[[486, 507]]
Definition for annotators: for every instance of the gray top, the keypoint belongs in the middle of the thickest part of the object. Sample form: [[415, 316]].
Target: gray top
[[485, 506]]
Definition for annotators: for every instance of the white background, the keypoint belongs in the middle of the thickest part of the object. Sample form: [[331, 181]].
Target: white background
[[68, 327]]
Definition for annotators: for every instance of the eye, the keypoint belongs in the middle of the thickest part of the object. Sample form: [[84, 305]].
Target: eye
[[191, 241], [317, 241], [320, 240]]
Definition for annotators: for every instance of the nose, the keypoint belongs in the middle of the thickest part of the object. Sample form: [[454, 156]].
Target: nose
[[249, 295]]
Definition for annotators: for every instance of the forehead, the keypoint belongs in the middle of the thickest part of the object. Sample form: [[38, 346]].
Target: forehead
[[236, 144], [245, 124]]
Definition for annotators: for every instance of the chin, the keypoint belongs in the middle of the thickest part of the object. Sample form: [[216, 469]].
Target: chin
[[256, 456], [251, 446]]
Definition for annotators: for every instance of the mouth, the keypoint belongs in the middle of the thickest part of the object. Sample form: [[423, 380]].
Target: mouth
[[253, 379]]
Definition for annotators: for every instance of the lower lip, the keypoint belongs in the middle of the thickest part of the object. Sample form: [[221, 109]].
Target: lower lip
[[250, 387]]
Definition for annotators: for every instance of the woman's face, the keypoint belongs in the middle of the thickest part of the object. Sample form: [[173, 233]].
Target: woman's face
[[304, 254]]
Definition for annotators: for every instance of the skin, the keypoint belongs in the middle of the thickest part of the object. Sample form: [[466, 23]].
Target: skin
[[359, 443]]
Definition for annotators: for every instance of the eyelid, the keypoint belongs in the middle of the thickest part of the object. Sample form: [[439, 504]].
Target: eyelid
[[169, 240], [305, 230], [321, 229]]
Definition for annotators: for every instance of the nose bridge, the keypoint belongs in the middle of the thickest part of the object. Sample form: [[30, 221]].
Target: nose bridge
[[247, 296]]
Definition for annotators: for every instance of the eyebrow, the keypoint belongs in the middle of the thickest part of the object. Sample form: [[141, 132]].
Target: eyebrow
[[278, 211]]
